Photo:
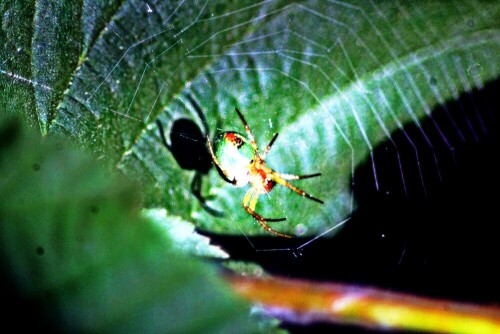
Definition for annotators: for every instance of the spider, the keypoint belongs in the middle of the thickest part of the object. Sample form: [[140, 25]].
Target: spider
[[239, 162]]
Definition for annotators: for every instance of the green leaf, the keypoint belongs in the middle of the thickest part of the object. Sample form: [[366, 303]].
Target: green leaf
[[72, 237], [334, 78], [184, 234]]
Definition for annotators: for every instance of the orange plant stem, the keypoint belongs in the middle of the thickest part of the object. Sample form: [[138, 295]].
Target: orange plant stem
[[302, 301]]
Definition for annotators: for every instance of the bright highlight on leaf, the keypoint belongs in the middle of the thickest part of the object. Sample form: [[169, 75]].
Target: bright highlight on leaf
[[183, 235]]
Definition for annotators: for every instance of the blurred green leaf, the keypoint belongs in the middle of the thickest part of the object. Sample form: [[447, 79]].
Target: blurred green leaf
[[72, 237], [334, 78]]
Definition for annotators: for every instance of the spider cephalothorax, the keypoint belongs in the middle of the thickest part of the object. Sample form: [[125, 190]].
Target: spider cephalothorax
[[239, 162]]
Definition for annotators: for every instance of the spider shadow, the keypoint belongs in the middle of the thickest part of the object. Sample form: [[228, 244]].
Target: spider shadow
[[188, 146]]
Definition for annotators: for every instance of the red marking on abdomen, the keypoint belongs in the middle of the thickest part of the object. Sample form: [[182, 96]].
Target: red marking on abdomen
[[230, 136], [267, 184], [233, 138]]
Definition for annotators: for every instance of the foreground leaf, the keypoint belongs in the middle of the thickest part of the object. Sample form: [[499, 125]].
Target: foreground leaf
[[73, 241]]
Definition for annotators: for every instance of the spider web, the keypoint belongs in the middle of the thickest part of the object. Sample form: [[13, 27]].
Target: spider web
[[325, 75]]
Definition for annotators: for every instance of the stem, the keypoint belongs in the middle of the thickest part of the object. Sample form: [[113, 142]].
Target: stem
[[307, 302]]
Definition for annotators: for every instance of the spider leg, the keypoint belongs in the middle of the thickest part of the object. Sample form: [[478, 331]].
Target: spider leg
[[162, 135], [196, 190], [296, 177], [199, 111], [268, 148], [249, 132], [249, 203], [217, 164], [278, 179], [251, 197]]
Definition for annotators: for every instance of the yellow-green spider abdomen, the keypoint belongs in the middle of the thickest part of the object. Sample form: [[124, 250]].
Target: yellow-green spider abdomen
[[235, 155]]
